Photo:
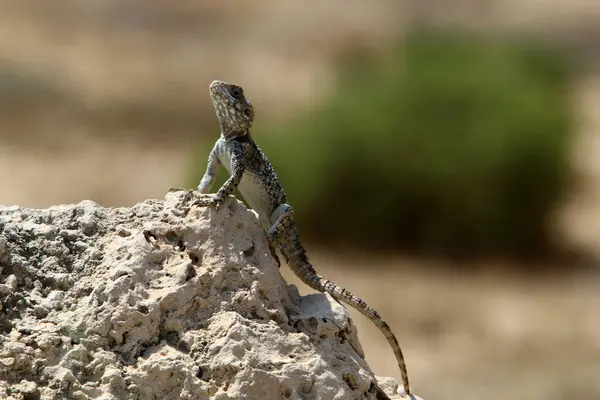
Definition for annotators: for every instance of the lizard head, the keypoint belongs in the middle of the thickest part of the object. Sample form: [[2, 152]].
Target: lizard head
[[234, 111]]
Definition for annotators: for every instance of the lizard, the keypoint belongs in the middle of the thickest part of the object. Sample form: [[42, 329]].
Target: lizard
[[253, 175]]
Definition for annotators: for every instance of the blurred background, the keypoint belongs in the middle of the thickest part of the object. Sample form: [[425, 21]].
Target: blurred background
[[443, 158]]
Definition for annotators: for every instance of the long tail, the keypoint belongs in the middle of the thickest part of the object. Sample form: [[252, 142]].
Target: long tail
[[298, 260]]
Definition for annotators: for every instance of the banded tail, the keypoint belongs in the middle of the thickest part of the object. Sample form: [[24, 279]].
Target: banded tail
[[298, 261]]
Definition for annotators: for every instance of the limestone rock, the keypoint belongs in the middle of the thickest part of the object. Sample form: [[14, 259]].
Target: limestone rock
[[163, 301]]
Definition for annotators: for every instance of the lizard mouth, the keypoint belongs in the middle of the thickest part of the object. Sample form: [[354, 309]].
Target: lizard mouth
[[217, 88]]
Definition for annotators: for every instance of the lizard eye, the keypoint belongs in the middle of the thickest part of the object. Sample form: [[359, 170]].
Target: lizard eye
[[236, 92]]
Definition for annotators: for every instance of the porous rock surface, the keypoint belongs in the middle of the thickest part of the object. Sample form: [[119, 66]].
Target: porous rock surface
[[163, 301]]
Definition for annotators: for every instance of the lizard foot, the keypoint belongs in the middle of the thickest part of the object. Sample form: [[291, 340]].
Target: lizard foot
[[178, 189], [274, 254], [208, 201]]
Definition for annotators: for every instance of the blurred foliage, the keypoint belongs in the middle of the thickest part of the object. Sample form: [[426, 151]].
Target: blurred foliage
[[451, 145]]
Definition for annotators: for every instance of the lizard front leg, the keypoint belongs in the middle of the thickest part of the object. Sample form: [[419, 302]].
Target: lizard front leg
[[238, 166], [212, 167], [209, 176]]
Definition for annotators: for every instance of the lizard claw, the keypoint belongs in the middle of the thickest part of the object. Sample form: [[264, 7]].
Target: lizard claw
[[208, 201], [178, 189]]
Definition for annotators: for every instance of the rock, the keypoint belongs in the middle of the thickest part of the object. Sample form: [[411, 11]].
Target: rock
[[160, 301]]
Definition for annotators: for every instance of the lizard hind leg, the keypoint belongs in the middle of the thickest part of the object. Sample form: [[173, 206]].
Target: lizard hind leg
[[281, 219]]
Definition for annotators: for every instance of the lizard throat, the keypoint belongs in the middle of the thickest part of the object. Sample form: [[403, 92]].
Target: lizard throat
[[230, 135]]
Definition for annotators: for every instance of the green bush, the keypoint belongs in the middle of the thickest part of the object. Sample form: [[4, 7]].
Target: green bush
[[450, 145]]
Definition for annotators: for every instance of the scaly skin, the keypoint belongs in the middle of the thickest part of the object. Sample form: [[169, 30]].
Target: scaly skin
[[251, 172]]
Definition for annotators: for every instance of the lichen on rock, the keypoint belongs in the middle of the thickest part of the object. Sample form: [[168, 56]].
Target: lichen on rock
[[163, 301]]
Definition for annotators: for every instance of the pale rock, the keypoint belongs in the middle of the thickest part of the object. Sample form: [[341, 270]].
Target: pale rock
[[164, 301]]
